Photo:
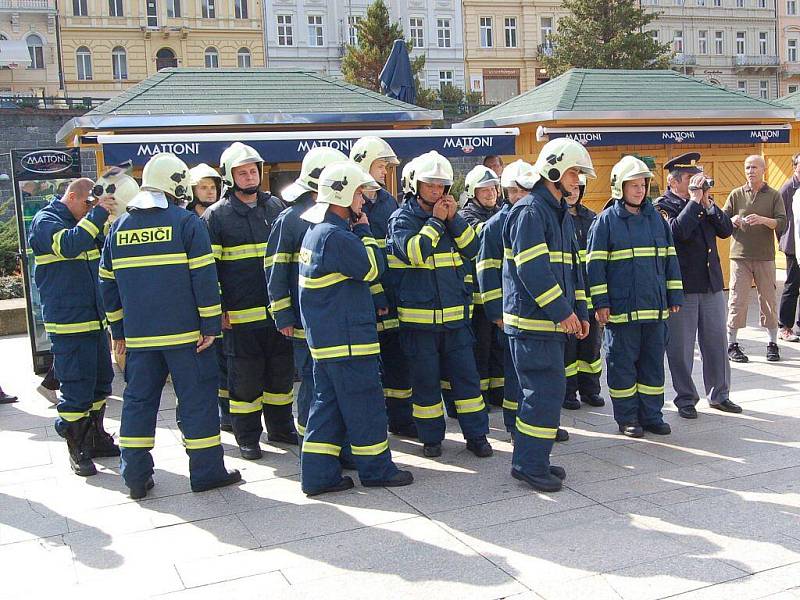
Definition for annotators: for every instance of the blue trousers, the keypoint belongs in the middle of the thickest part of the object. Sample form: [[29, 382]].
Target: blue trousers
[[82, 363], [635, 362], [396, 379], [582, 361], [348, 404], [304, 365], [195, 379], [223, 393], [488, 357], [539, 363], [512, 395], [436, 356]]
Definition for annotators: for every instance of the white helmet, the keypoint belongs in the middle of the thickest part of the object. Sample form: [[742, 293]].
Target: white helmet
[[519, 174], [202, 171], [337, 185], [560, 155], [314, 162], [167, 173], [236, 155], [479, 177], [368, 149], [432, 167], [627, 169], [407, 175], [118, 184]]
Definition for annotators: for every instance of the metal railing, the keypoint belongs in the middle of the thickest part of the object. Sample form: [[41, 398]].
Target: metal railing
[[50, 102], [683, 59], [26, 5], [759, 60]]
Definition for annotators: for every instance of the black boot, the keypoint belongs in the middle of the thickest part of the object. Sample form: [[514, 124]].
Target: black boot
[[100, 442], [480, 447], [230, 478], [80, 457]]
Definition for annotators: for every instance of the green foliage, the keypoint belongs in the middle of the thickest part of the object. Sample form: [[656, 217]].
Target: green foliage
[[11, 287], [450, 94], [605, 34], [9, 240]]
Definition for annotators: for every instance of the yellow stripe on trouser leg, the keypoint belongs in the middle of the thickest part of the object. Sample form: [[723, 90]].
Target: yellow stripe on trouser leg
[[545, 433], [300, 429], [137, 442], [510, 404], [445, 385], [394, 393], [650, 390], [496, 382], [485, 384], [271, 399], [470, 405], [372, 450], [98, 404], [571, 369], [321, 448], [427, 412], [590, 367], [73, 416], [202, 443], [238, 407], [622, 393]]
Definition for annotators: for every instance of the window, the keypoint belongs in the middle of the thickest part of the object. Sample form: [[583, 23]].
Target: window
[[80, 8], [546, 29], [119, 63], [487, 36], [285, 35], [510, 28], [654, 35], [352, 29], [445, 78], [792, 89], [741, 86], [240, 9], [762, 3], [739, 3], [165, 58], [718, 3], [443, 33], [115, 8], [762, 43], [702, 41], [316, 36], [677, 41], [791, 7], [763, 89], [701, 2], [212, 58], [417, 30], [36, 50], [719, 42], [791, 50], [740, 45], [83, 58], [243, 58], [152, 13], [173, 9], [209, 10]]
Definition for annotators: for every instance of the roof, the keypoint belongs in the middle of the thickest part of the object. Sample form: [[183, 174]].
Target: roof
[[792, 100], [189, 97], [607, 94]]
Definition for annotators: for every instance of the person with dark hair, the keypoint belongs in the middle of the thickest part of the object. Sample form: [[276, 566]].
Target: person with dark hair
[[787, 309], [495, 163]]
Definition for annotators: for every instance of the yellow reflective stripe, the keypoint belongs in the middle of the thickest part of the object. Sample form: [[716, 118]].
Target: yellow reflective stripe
[[445, 385], [545, 433], [394, 393], [268, 262], [281, 304], [376, 288], [202, 443], [56, 243], [484, 384], [105, 274], [476, 298], [247, 315], [345, 350], [427, 412], [136, 442], [221, 393], [299, 333], [547, 297], [598, 289], [488, 263], [388, 324], [622, 393], [470, 405], [175, 339], [560, 257], [277, 399], [372, 274], [414, 250], [321, 448], [381, 243], [239, 407], [639, 315], [571, 369], [618, 319], [300, 429], [582, 255], [638, 252], [201, 261], [468, 279], [73, 416], [490, 295], [88, 227], [496, 382], [597, 255], [242, 251], [283, 257], [437, 261], [650, 390], [529, 254], [590, 367], [671, 251], [510, 404], [674, 284], [209, 311], [93, 255], [465, 238], [216, 250], [531, 324], [373, 450], [46, 259], [152, 260], [67, 328], [114, 316], [316, 283], [430, 316], [431, 233], [368, 240], [580, 295], [98, 404], [589, 304]]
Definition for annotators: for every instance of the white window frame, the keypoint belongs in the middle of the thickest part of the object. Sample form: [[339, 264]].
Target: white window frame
[[702, 41], [763, 43], [510, 31], [83, 63], [316, 30], [285, 30], [741, 43], [677, 41], [36, 51], [444, 33], [486, 25], [119, 63], [244, 58], [741, 86], [763, 89], [211, 58], [416, 29], [719, 43], [445, 77], [352, 29], [792, 50]]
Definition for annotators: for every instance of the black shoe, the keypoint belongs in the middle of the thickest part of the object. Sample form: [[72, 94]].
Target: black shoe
[[593, 400], [659, 428], [559, 472], [543, 483], [6, 398], [633, 430], [773, 354], [480, 447], [400, 479], [735, 353], [232, 477], [80, 457], [138, 492], [409, 430], [687, 412], [251, 452], [100, 442], [562, 435], [345, 483], [571, 403], [432, 450], [727, 406], [226, 426], [283, 437]]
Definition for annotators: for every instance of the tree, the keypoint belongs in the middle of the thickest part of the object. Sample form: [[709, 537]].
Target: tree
[[605, 34], [362, 64]]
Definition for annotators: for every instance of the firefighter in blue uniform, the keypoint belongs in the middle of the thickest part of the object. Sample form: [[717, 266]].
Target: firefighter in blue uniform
[[634, 283], [582, 357], [260, 366], [161, 297], [482, 188], [281, 269], [65, 238], [376, 157], [544, 301], [429, 243], [339, 261]]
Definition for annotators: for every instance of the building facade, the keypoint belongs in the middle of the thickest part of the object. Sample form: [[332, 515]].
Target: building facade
[[28, 26], [314, 34], [789, 45], [110, 45]]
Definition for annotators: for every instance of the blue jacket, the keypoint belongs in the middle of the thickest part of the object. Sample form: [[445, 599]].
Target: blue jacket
[[432, 260], [159, 280], [489, 265], [378, 212], [542, 280], [67, 254], [632, 265], [477, 216], [336, 307], [583, 220]]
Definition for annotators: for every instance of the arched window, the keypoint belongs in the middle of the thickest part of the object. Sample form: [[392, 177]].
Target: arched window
[[36, 49], [243, 58], [165, 58], [119, 63], [83, 58], [212, 58]]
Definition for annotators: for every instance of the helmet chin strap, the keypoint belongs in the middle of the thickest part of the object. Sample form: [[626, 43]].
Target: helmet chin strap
[[631, 204], [564, 192], [248, 191], [205, 204]]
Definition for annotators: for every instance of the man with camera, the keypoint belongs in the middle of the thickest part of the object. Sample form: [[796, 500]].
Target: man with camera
[[696, 223]]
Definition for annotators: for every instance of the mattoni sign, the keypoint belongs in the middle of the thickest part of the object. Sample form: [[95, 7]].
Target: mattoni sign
[[46, 163], [773, 135]]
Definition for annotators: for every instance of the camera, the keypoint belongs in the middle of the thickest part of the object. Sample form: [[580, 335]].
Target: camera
[[707, 185]]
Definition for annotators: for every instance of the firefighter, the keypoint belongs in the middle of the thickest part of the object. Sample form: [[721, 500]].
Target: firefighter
[[376, 158], [260, 366], [405, 180], [161, 297], [544, 301], [635, 283], [339, 261], [281, 269], [206, 189], [582, 357], [429, 243], [65, 237]]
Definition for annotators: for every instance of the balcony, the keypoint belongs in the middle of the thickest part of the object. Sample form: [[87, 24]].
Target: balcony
[[790, 69], [683, 59], [760, 62], [545, 49], [26, 5]]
